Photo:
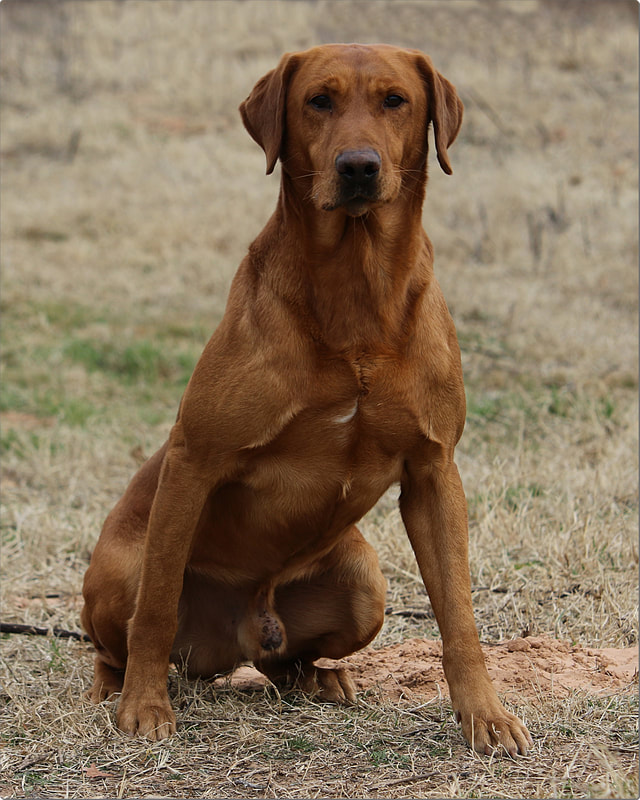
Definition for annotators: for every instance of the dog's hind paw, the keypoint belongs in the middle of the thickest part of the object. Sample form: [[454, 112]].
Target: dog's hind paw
[[333, 685], [107, 681]]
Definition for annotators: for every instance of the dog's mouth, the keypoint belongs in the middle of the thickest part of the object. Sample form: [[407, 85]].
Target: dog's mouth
[[355, 205], [358, 206]]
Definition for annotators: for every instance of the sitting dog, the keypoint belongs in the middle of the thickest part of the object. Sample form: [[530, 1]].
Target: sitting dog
[[334, 374]]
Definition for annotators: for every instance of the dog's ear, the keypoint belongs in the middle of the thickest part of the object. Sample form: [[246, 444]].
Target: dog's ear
[[264, 111], [444, 109]]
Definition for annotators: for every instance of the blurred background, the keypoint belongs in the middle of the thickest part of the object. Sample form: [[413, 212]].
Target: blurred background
[[126, 170]]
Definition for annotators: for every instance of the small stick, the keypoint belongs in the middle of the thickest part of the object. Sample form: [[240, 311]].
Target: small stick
[[29, 762], [407, 612], [32, 630]]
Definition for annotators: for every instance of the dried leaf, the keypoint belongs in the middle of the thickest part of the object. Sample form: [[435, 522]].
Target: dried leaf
[[93, 772]]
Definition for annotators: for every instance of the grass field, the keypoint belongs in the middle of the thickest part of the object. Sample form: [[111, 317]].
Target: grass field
[[130, 192]]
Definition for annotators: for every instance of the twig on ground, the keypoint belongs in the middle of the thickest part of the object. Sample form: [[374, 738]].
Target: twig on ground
[[32, 630]]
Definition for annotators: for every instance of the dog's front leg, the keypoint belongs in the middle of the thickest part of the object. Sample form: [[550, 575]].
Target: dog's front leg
[[434, 512], [144, 708]]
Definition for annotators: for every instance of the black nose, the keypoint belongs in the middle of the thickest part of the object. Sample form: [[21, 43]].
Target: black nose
[[358, 166]]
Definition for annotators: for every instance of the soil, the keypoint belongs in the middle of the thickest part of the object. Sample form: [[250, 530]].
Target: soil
[[533, 667]]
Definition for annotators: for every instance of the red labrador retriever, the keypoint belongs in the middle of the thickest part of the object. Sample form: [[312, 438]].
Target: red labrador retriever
[[334, 373]]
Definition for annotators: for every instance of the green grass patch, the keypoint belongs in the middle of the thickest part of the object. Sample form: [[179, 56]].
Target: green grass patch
[[300, 744], [132, 361], [72, 362], [381, 753], [484, 407], [50, 400], [500, 416]]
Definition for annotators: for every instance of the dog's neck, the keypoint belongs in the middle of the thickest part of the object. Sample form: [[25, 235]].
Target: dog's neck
[[358, 279]]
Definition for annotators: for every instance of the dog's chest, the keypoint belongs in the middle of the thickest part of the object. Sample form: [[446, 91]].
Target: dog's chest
[[340, 453], [318, 475]]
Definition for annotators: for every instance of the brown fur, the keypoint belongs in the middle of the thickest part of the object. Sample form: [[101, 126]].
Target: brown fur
[[334, 373]]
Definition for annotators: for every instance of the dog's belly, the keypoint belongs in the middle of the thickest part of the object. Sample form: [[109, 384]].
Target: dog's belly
[[296, 495]]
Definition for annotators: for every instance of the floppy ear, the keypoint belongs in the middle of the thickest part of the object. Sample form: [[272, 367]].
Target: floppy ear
[[263, 112], [444, 109]]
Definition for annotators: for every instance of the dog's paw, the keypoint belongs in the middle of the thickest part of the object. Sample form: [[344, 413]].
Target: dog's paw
[[107, 681], [495, 731], [333, 685], [98, 692], [149, 716]]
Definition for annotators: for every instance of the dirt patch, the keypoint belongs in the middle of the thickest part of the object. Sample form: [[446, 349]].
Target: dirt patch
[[529, 667]]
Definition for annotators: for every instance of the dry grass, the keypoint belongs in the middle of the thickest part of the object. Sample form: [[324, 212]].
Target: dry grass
[[130, 193]]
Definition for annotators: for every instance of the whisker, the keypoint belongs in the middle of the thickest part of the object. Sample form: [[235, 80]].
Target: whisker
[[307, 175]]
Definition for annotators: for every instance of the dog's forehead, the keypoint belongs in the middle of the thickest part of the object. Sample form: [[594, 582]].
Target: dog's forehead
[[343, 64]]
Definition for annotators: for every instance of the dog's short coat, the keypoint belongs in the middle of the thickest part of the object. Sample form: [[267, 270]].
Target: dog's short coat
[[334, 373]]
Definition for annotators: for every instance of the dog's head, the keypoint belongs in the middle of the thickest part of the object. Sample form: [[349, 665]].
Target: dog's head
[[351, 121]]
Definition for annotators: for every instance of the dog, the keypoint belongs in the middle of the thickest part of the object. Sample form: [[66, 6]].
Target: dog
[[334, 373]]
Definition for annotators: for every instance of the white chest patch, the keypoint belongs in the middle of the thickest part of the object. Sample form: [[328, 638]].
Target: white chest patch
[[348, 416]]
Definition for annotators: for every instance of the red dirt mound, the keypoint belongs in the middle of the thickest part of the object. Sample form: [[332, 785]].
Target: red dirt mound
[[529, 667]]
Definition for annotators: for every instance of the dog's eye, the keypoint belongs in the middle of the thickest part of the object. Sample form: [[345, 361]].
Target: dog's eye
[[321, 102], [393, 101]]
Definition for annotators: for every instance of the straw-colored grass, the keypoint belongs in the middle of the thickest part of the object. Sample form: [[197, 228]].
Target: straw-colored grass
[[129, 195]]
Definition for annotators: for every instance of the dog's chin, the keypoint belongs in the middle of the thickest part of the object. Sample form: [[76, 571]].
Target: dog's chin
[[355, 207]]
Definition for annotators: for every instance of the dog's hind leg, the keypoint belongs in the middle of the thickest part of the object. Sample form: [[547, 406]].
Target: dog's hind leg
[[331, 685], [333, 613]]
